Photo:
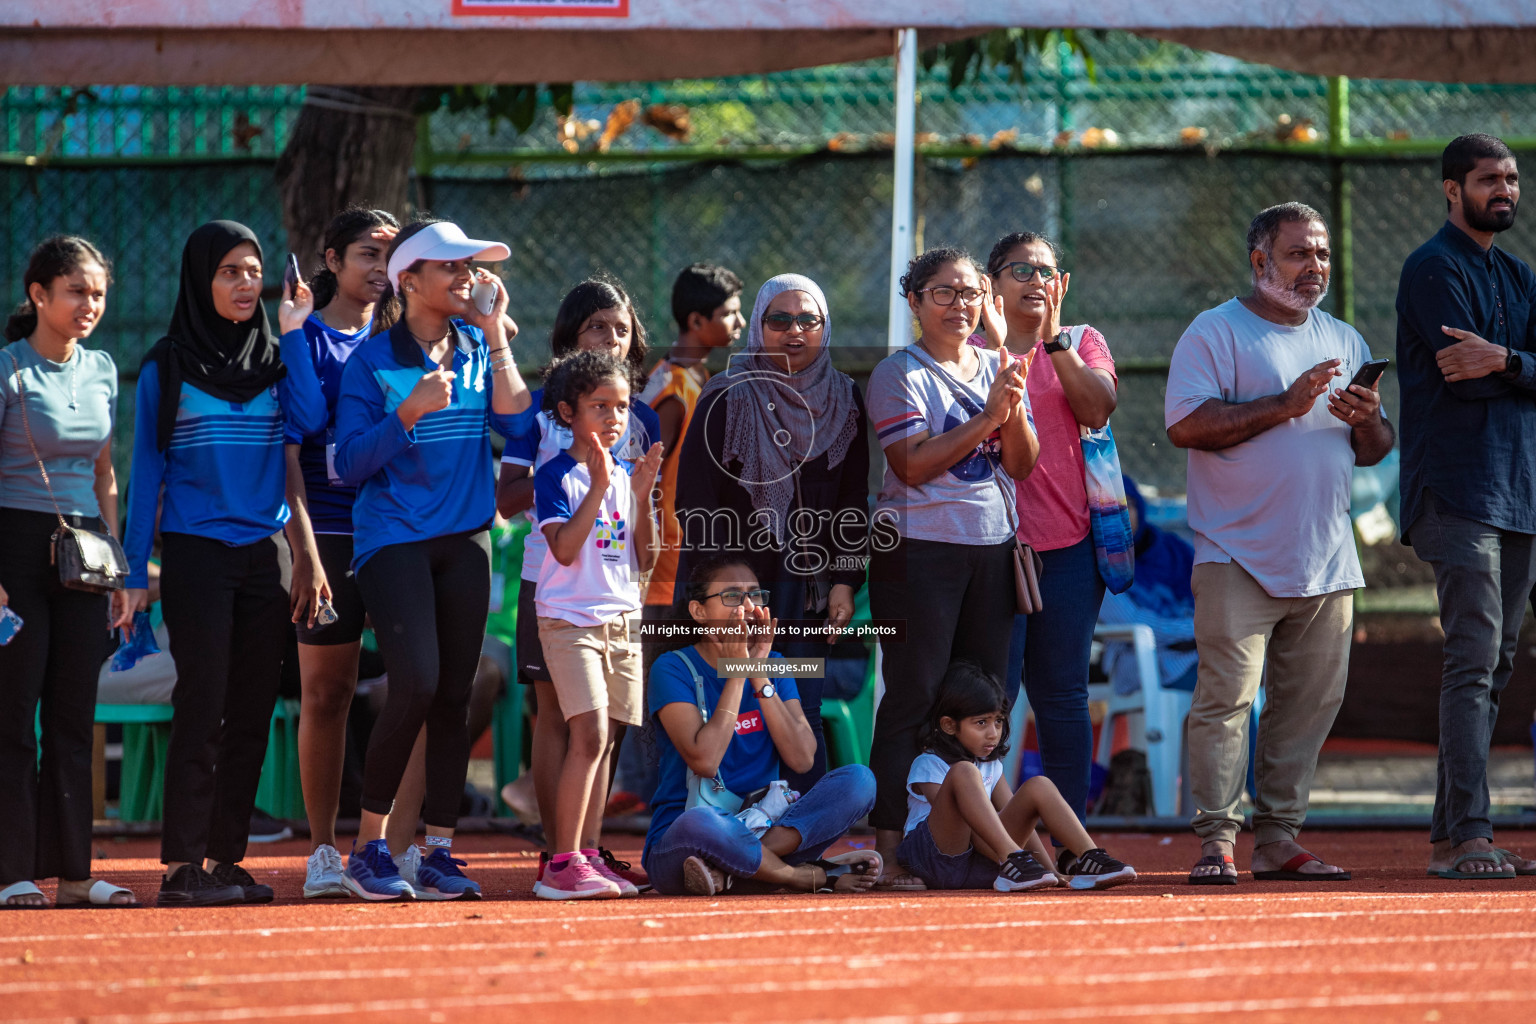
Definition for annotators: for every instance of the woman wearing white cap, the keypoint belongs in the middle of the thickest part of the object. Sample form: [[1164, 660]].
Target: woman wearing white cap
[[412, 433]]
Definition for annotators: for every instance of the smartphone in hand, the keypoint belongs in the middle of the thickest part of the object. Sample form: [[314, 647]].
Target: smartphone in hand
[[483, 295], [1369, 373], [291, 277]]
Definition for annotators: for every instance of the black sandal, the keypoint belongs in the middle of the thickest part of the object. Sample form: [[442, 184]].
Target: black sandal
[[856, 862], [1221, 877]]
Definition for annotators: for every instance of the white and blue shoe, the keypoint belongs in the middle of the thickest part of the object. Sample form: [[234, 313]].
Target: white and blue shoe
[[438, 878], [371, 873]]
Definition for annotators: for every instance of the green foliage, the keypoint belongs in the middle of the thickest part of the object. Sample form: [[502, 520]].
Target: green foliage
[[518, 105], [1010, 48]]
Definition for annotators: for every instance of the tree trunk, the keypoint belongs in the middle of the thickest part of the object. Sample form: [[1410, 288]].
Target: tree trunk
[[350, 144]]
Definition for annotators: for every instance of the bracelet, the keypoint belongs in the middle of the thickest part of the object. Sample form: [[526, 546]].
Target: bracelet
[[499, 364], [503, 348]]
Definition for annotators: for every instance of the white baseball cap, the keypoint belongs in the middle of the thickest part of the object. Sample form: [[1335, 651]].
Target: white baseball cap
[[442, 241]]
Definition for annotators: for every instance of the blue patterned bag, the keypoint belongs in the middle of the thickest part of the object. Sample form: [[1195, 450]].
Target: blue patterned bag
[[1113, 542]]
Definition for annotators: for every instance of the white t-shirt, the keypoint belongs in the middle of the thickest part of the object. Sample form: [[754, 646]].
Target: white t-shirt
[[603, 582], [963, 504], [1278, 503], [930, 767]]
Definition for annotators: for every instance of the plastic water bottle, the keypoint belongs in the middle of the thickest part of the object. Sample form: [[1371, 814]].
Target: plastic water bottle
[[138, 642]]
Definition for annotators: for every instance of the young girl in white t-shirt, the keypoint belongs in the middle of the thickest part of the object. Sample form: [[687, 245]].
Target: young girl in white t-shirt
[[596, 513], [966, 828]]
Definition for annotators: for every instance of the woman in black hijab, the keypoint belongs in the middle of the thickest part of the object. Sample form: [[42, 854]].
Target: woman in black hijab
[[215, 396]]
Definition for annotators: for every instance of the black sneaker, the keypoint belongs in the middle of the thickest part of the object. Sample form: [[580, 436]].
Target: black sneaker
[[1095, 869], [191, 886], [1020, 872], [267, 829], [235, 875]]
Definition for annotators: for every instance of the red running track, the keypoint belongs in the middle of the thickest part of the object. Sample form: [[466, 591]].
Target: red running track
[[1391, 945]]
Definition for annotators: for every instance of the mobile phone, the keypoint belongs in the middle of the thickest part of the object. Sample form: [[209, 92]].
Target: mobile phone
[[483, 295], [10, 625], [1369, 373], [291, 276], [327, 613]]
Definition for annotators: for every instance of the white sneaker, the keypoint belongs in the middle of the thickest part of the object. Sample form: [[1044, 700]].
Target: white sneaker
[[408, 862], [324, 878]]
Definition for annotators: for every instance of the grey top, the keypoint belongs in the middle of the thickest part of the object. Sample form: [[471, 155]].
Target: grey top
[[71, 407]]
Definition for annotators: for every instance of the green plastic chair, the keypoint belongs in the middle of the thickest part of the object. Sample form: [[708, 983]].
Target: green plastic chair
[[508, 736], [280, 792], [849, 725], [146, 735]]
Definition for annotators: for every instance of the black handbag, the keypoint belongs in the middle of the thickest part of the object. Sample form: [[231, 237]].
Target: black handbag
[[86, 560]]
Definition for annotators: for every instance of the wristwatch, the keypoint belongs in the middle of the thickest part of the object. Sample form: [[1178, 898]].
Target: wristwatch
[[1062, 342], [766, 692], [1512, 364]]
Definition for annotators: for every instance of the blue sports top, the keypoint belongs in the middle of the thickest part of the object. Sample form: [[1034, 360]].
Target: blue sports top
[[223, 471], [330, 500], [435, 479]]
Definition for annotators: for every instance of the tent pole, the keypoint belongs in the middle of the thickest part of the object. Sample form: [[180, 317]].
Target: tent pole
[[900, 327]]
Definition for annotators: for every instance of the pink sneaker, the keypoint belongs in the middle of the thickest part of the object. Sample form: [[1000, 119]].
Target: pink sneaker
[[626, 887], [576, 881]]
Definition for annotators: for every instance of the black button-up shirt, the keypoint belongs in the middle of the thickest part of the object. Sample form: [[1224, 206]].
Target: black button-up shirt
[[1472, 442]]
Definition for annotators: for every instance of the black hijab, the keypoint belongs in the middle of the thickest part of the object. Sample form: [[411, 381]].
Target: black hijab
[[231, 361]]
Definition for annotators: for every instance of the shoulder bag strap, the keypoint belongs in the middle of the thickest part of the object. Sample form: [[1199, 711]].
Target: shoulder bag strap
[[26, 423]]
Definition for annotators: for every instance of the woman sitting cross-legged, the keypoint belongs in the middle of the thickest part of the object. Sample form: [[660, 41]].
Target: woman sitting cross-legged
[[966, 829], [737, 733]]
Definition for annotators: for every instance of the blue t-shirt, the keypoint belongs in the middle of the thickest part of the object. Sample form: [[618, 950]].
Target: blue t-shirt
[[330, 501], [751, 760]]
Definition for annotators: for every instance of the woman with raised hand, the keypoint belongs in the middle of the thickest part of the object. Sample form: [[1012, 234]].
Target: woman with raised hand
[[413, 423], [214, 398], [1072, 383], [58, 402], [348, 286], [775, 470], [954, 422]]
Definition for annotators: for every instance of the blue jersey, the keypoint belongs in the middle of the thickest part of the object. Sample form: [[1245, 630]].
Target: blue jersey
[[223, 472], [542, 437], [330, 500], [430, 481], [751, 760]]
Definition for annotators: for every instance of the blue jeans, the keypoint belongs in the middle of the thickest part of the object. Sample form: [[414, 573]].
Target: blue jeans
[[1483, 576], [1049, 652], [822, 816]]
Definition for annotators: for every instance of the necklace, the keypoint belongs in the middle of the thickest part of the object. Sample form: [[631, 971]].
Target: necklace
[[74, 368]]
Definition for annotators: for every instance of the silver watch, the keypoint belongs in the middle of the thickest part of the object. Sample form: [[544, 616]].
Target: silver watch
[[766, 692]]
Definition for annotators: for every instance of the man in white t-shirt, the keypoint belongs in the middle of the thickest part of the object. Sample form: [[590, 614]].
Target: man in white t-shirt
[[1275, 561]]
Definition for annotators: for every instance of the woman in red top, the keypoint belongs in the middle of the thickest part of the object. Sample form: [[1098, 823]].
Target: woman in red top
[[1071, 383]]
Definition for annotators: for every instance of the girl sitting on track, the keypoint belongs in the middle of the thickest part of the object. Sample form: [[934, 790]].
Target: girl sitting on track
[[699, 844], [966, 829], [596, 514]]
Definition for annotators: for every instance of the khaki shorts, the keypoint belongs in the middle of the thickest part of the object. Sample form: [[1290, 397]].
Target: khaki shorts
[[595, 667]]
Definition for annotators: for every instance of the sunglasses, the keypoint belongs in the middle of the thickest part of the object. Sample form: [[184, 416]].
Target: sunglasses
[[944, 295], [782, 322], [1022, 271], [733, 598]]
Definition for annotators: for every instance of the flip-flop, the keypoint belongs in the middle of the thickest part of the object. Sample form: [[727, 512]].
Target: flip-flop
[[1508, 857], [904, 882], [1491, 856], [1220, 877], [99, 895], [1288, 872], [858, 862], [21, 889]]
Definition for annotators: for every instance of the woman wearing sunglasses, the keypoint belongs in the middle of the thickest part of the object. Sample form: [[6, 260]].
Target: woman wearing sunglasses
[[1072, 382], [954, 422], [775, 469]]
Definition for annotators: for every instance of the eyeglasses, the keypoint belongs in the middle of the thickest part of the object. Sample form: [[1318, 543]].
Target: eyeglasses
[[944, 295], [733, 598], [782, 322], [1022, 271]]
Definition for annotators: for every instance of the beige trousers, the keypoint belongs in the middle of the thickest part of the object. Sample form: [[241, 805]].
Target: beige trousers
[[1305, 643]]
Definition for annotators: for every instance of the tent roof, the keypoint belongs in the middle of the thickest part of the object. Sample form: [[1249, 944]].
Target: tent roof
[[256, 42]]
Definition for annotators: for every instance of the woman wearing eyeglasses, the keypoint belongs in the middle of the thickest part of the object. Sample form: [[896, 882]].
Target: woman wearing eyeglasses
[[1072, 382], [954, 422], [775, 470]]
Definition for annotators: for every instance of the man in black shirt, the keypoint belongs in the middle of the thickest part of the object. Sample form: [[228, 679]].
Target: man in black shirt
[[1466, 362]]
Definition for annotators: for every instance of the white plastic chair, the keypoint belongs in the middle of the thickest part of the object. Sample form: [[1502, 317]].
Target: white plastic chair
[[1162, 711]]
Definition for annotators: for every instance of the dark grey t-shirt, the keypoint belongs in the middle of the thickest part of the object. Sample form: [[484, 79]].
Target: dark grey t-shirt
[[71, 408]]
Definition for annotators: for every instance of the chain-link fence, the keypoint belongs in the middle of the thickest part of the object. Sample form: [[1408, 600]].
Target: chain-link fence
[[1148, 174]]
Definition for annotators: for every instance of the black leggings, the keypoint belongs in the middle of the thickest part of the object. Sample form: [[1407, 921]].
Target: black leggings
[[428, 601], [957, 601], [226, 609], [45, 807]]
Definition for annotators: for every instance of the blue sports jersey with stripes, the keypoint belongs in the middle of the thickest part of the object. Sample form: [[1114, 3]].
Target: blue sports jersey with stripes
[[328, 499], [223, 471], [435, 479]]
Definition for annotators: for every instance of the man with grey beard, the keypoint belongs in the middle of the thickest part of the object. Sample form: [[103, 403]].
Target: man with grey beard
[[1465, 332], [1275, 561]]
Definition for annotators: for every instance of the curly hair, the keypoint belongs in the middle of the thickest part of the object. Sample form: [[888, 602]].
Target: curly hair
[[582, 373], [921, 270]]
